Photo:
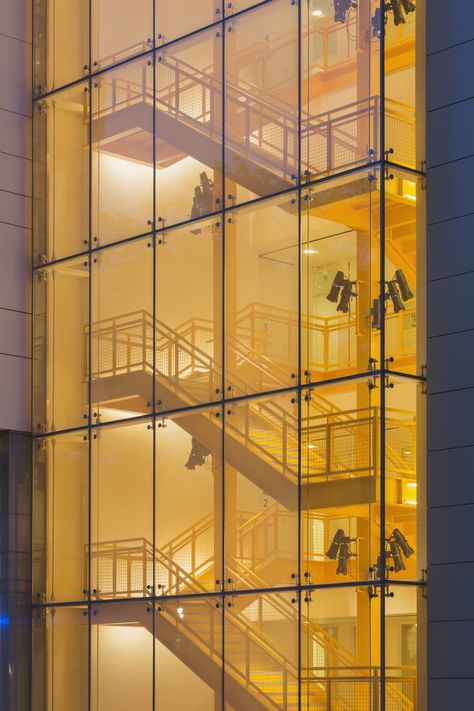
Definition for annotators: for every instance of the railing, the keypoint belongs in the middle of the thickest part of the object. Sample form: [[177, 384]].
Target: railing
[[335, 443], [260, 127]]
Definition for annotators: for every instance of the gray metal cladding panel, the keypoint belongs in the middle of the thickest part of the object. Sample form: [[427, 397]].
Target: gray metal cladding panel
[[450, 247], [450, 305], [450, 190], [451, 477], [449, 24], [450, 653], [449, 76], [450, 591], [451, 360], [448, 137], [449, 535]]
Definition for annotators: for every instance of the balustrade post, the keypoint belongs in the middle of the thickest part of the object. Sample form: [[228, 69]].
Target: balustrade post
[[328, 692], [285, 687], [375, 689], [328, 448]]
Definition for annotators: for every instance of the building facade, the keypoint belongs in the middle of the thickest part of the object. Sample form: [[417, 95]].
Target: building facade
[[228, 356]]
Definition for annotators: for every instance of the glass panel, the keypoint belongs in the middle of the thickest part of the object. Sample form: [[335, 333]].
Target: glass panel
[[261, 100], [405, 501], [261, 283], [61, 43], [121, 560], [339, 478], [61, 175], [121, 657], [120, 29], [405, 640], [340, 276], [261, 651], [340, 649], [188, 654], [402, 84], [339, 87], [61, 311], [182, 16], [60, 659], [122, 331], [122, 152], [189, 128], [189, 314], [261, 492], [61, 506], [404, 292], [188, 502]]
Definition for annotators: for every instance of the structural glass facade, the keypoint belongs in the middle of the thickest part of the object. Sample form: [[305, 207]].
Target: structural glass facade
[[228, 356]]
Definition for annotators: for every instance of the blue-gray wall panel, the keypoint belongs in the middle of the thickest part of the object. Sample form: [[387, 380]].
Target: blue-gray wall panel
[[447, 135], [446, 27], [450, 305], [450, 653], [449, 75], [450, 361], [450, 190], [451, 477], [453, 694], [449, 539], [450, 591], [451, 420], [450, 247]]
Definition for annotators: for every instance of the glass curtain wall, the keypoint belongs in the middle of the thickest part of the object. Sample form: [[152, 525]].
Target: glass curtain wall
[[229, 356]]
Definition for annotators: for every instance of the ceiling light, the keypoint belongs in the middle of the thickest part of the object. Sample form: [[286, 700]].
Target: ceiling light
[[311, 251], [310, 446], [318, 13], [412, 484]]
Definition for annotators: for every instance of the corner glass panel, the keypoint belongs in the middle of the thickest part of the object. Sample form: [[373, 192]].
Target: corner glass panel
[[188, 654], [60, 658], [261, 296], [340, 276], [403, 87], [60, 506], [188, 85], [178, 19], [340, 649], [60, 354], [122, 152], [188, 502], [261, 492], [121, 549], [121, 656], [61, 43], [405, 500], [122, 331], [405, 643], [120, 29], [340, 482], [261, 102], [405, 283], [340, 103], [61, 175], [189, 314], [261, 651]]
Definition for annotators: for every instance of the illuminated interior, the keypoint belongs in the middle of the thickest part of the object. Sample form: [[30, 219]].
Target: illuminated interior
[[228, 356]]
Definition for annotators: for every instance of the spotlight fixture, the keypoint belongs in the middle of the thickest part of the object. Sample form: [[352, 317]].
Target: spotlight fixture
[[397, 291], [340, 548], [341, 291], [398, 548], [341, 8], [397, 8], [203, 198], [198, 454]]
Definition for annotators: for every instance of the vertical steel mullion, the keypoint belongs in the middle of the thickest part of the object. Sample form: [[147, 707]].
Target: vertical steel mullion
[[89, 357], [153, 389], [299, 353], [382, 355], [223, 351]]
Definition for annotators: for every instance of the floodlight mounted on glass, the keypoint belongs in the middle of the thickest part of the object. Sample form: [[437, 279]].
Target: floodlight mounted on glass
[[397, 548], [397, 291], [340, 548], [203, 197], [198, 454], [397, 7], [341, 8], [341, 291]]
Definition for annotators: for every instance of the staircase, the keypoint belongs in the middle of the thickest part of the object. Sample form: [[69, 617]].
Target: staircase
[[260, 673], [261, 129]]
